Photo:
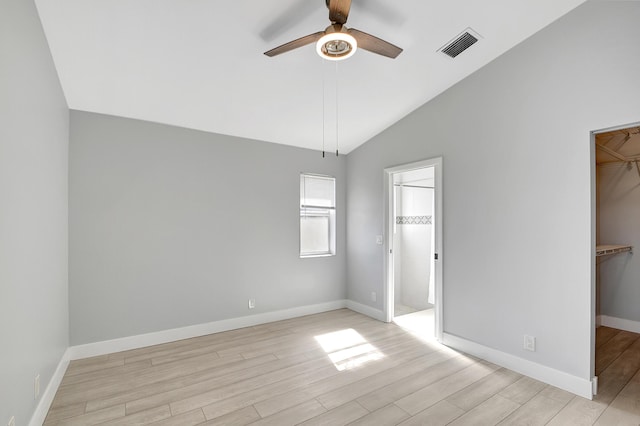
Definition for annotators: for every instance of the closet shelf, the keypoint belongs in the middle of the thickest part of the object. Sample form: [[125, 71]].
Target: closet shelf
[[610, 249]]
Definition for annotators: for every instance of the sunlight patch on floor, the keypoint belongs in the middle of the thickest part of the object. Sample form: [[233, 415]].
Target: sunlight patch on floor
[[347, 349], [420, 324]]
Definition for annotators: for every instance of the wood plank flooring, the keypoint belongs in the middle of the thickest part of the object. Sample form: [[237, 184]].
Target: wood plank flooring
[[334, 368]]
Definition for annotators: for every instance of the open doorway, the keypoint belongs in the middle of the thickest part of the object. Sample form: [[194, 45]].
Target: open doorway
[[414, 235], [615, 269]]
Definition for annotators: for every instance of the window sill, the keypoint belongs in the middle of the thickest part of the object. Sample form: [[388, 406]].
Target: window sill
[[307, 256]]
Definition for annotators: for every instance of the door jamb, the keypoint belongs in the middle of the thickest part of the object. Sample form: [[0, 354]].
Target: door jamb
[[388, 306]]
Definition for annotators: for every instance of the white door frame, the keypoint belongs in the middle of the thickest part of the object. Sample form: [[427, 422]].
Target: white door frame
[[388, 307]]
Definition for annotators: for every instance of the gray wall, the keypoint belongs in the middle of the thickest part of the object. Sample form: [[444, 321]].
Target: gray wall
[[34, 134], [171, 227], [517, 196], [618, 218]]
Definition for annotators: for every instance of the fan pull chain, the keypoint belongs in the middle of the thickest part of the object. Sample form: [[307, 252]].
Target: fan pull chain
[[323, 105], [336, 108]]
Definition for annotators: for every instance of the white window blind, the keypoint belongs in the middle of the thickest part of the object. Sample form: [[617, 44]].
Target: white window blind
[[317, 191]]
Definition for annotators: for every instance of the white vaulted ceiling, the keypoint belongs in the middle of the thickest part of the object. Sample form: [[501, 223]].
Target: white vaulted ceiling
[[200, 64]]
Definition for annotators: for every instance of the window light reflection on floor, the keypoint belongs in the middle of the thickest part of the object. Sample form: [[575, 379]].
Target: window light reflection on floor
[[347, 349], [418, 324]]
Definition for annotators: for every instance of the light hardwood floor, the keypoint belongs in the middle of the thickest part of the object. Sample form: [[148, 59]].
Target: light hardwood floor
[[334, 368]]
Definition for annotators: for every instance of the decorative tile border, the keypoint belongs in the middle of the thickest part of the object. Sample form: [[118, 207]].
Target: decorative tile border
[[413, 220]]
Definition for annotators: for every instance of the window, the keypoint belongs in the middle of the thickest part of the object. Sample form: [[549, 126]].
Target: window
[[317, 215]]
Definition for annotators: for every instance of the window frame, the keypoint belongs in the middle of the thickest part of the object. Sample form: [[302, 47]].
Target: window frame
[[317, 211]]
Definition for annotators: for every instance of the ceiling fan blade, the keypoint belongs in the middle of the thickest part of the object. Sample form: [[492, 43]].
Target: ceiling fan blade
[[302, 41], [339, 10], [374, 44]]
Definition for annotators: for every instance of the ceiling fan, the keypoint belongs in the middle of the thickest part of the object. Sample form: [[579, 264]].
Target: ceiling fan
[[338, 42]]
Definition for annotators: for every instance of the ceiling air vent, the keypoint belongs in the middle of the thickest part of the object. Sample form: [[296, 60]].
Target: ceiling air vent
[[460, 43]]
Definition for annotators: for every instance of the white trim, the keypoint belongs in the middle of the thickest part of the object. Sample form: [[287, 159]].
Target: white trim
[[366, 310], [579, 386], [598, 321], [171, 335], [388, 305], [620, 323], [592, 323], [40, 413]]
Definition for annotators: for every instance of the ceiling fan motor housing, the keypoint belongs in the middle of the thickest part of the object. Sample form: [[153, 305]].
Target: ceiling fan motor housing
[[336, 43]]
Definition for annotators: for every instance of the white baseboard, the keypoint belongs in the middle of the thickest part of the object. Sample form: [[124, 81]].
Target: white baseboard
[[165, 336], [598, 320], [620, 323], [557, 378], [49, 393], [366, 310]]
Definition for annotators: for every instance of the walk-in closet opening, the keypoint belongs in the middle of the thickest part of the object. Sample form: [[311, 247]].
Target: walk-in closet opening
[[413, 264], [617, 266]]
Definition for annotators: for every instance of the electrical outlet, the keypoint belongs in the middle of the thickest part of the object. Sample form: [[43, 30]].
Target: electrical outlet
[[36, 387], [379, 240], [12, 421], [529, 343], [252, 303], [373, 296]]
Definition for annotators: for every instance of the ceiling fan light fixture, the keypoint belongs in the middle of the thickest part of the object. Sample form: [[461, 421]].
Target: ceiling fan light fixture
[[336, 46]]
